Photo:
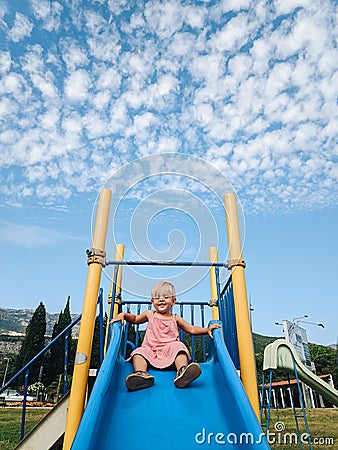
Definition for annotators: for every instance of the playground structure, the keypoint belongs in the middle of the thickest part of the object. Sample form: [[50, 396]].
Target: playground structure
[[220, 404], [220, 407]]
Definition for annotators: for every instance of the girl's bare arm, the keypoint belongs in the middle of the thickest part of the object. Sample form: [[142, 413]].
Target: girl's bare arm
[[193, 329], [131, 318]]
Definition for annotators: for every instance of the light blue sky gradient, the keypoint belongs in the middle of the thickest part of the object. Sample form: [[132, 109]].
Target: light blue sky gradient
[[249, 87]]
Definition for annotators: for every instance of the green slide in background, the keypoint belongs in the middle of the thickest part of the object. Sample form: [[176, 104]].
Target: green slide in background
[[281, 354]]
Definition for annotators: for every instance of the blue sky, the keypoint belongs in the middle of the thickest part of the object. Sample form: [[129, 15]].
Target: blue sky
[[243, 93]]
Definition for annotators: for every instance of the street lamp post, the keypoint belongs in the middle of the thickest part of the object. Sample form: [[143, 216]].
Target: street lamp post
[[297, 319], [311, 323], [4, 379]]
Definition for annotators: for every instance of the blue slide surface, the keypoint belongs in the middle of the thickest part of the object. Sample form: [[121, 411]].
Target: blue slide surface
[[212, 412]]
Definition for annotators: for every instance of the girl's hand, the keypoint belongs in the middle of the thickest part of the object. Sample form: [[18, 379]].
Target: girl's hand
[[212, 327], [118, 318]]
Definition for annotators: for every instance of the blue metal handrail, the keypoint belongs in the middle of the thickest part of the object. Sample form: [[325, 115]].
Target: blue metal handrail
[[64, 333], [25, 370], [228, 318], [42, 352], [301, 401], [168, 263]]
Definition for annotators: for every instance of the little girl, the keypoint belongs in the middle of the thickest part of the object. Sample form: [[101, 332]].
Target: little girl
[[161, 346]]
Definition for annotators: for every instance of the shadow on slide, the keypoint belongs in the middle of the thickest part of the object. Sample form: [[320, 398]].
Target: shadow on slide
[[213, 411]]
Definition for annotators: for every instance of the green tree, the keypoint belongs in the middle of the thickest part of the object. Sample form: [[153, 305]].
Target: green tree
[[95, 354], [33, 343], [325, 359], [54, 361]]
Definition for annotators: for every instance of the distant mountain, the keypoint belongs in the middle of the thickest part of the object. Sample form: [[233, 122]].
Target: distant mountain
[[13, 322]]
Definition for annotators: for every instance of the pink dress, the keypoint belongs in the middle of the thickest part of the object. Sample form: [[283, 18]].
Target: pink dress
[[161, 342]]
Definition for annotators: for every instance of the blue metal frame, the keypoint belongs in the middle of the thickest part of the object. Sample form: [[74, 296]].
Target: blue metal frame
[[25, 371], [228, 318], [191, 304], [113, 298], [65, 363], [100, 302], [303, 410], [168, 263], [266, 425], [225, 302]]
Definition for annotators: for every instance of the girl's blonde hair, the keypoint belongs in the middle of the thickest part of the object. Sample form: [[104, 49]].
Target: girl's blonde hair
[[163, 288]]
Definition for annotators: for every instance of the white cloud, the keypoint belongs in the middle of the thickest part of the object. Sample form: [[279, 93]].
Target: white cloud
[[253, 91], [8, 136], [50, 119], [32, 60], [22, 28], [208, 68], [48, 12], [96, 125], [3, 12], [73, 54], [77, 85], [141, 125], [5, 62], [195, 17], [261, 52], [11, 83], [287, 6], [182, 48], [45, 85], [164, 19], [109, 79], [72, 124], [233, 35]]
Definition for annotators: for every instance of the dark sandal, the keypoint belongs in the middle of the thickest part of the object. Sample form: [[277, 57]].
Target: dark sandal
[[139, 380], [187, 374]]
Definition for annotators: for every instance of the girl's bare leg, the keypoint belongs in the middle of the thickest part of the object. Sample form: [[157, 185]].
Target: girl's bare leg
[[139, 363], [181, 360], [186, 373], [136, 380]]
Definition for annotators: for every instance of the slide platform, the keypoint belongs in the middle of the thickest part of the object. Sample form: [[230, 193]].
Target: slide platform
[[211, 412], [281, 354]]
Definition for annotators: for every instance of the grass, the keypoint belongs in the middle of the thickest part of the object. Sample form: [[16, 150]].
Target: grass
[[10, 424], [322, 426]]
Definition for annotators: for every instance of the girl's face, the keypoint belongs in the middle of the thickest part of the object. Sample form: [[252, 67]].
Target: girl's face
[[163, 303]]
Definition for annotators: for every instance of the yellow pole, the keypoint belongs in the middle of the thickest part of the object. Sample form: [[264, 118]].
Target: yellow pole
[[84, 346], [244, 336], [213, 254], [119, 255]]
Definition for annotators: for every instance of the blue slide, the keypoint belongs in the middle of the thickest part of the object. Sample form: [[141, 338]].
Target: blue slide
[[211, 412]]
